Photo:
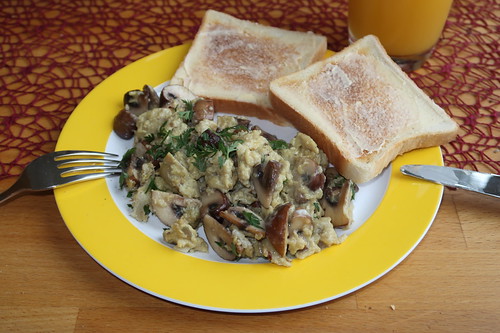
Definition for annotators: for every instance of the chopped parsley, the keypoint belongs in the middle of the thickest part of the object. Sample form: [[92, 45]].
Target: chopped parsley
[[188, 112], [149, 138], [127, 157], [278, 144], [252, 219], [124, 163], [151, 185], [123, 178], [199, 147]]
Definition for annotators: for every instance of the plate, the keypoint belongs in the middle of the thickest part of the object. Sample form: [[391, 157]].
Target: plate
[[392, 220]]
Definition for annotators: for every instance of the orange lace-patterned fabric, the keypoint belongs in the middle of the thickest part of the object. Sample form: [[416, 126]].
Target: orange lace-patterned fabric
[[54, 52]]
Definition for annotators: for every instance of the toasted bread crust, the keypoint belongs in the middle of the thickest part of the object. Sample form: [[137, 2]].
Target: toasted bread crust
[[361, 109], [249, 110]]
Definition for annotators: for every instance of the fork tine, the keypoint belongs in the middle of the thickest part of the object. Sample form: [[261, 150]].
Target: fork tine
[[101, 161], [71, 153], [83, 177], [91, 168]]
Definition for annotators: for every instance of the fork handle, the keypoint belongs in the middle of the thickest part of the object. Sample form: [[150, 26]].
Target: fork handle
[[18, 187]]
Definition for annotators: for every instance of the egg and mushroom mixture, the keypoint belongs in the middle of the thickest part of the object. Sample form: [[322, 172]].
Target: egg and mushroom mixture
[[254, 195]]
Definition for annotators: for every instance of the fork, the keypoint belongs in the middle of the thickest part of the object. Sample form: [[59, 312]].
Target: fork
[[63, 168]]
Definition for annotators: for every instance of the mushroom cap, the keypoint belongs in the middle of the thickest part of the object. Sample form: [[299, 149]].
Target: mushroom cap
[[174, 92], [245, 219], [277, 228], [153, 98], [300, 219], [203, 109], [213, 203], [311, 173], [135, 103], [124, 124], [170, 207], [219, 238], [341, 209], [265, 179]]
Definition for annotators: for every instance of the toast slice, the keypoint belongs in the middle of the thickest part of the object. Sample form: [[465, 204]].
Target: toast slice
[[232, 61], [361, 109]]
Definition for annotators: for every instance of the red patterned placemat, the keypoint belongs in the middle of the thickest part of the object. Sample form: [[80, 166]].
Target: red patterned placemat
[[55, 52]]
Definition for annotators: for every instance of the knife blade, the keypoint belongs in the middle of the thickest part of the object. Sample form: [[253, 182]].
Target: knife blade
[[485, 183]]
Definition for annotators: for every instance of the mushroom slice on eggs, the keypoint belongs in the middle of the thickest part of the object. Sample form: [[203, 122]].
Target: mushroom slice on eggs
[[277, 227], [213, 203], [135, 103], [219, 238], [301, 220], [172, 93], [245, 219], [203, 109], [337, 198], [265, 179], [313, 175], [170, 207]]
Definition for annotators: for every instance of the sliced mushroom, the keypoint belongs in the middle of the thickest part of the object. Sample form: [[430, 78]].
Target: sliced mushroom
[[203, 109], [213, 203], [333, 178], [265, 179], [124, 124], [170, 207], [209, 138], [300, 231], [219, 238], [337, 198], [245, 219], [152, 97], [277, 228], [175, 92], [138, 101], [268, 136], [243, 122], [313, 175], [135, 103], [300, 220], [341, 212]]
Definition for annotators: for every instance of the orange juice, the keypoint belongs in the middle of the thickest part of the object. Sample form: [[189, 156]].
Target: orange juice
[[404, 27]]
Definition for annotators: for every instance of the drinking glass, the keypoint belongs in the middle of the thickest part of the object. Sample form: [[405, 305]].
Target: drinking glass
[[408, 29]]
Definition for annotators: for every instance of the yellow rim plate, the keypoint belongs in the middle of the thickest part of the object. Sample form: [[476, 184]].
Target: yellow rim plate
[[385, 239]]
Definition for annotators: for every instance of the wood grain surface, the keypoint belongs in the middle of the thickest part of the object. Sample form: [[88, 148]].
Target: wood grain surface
[[449, 283], [54, 52]]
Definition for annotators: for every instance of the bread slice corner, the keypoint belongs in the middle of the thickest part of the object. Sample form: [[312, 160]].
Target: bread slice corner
[[361, 109], [232, 61]]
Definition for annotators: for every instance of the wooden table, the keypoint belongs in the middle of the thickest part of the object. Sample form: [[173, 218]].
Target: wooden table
[[449, 283]]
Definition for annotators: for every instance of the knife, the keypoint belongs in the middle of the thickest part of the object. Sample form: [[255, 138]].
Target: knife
[[485, 183]]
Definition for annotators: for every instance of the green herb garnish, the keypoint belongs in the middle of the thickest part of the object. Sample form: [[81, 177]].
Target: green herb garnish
[[278, 144], [252, 219], [149, 138], [127, 157], [123, 178], [151, 185], [188, 112], [181, 141], [227, 148]]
